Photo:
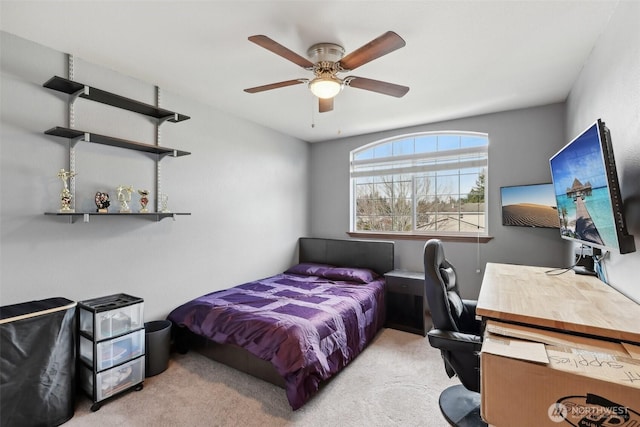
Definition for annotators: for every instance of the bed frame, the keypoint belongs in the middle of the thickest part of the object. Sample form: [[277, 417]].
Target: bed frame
[[375, 255]]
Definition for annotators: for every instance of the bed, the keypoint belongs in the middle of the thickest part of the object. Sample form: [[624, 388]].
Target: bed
[[299, 328]]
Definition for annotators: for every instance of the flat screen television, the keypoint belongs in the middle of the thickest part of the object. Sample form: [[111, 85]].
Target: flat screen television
[[532, 205], [587, 193]]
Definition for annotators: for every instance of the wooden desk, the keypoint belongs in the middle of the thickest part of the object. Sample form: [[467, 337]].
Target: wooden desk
[[566, 302]]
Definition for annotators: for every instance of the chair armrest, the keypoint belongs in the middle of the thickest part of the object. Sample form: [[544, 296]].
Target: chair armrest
[[467, 322], [471, 305], [455, 341]]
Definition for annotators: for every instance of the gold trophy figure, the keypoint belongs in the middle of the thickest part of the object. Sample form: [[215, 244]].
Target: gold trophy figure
[[124, 196], [65, 194]]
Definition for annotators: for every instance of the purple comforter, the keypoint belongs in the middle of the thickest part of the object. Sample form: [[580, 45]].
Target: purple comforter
[[308, 327]]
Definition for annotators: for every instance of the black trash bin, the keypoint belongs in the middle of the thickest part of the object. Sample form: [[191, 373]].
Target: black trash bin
[[157, 346]]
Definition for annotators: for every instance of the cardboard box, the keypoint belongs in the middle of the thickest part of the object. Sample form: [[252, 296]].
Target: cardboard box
[[532, 377]]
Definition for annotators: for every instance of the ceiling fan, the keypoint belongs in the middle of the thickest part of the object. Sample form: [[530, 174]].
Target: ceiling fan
[[326, 60]]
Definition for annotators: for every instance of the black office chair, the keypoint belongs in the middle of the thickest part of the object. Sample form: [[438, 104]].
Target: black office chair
[[457, 334]]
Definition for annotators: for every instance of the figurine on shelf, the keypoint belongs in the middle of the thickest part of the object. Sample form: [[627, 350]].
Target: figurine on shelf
[[124, 196], [65, 194], [144, 199], [102, 202], [164, 199]]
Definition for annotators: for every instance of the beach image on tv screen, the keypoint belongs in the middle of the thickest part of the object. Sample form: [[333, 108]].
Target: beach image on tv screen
[[582, 193], [529, 206]]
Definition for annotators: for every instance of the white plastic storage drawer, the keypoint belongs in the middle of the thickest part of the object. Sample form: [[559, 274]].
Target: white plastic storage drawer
[[113, 315], [113, 380], [114, 351]]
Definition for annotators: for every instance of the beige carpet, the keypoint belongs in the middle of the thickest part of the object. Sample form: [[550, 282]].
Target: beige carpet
[[396, 381]]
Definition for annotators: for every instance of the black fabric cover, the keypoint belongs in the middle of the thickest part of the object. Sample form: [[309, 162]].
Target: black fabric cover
[[37, 363]]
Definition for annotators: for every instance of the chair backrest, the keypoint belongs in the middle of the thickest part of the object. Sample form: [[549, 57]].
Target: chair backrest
[[450, 313], [442, 289]]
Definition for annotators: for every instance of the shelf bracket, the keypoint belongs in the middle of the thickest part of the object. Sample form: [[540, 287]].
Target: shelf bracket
[[173, 117], [75, 95], [85, 217], [163, 155], [74, 141]]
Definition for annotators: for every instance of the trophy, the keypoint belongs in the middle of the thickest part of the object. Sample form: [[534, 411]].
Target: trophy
[[144, 199], [65, 194], [164, 199], [124, 196], [102, 202]]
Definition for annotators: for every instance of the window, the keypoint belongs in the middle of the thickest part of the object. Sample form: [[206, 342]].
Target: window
[[428, 183]]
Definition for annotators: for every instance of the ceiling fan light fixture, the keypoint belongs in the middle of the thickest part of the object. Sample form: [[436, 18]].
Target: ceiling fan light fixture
[[327, 60], [325, 87]]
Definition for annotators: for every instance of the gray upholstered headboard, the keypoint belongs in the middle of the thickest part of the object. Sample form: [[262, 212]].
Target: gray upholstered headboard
[[375, 255]]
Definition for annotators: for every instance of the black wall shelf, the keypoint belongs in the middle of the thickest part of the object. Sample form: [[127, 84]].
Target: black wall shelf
[[71, 87], [75, 90], [114, 142], [157, 216]]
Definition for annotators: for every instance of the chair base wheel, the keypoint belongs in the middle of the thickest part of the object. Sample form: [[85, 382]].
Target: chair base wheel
[[461, 407]]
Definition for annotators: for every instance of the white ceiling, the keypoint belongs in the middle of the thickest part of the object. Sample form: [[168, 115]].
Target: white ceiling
[[462, 58]]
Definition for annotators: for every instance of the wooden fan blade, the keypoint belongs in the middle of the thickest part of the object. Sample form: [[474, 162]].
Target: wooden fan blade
[[274, 86], [278, 49], [386, 43], [325, 105], [384, 88]]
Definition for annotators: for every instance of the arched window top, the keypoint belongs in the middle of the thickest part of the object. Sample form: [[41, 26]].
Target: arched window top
[[424, 142]]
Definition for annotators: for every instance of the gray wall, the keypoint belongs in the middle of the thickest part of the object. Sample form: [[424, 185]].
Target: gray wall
[[609, 88], [520, 145], [243, 179], [245, 185]]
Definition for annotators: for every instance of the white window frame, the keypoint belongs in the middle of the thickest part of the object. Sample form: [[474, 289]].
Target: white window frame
[[414, 164]]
